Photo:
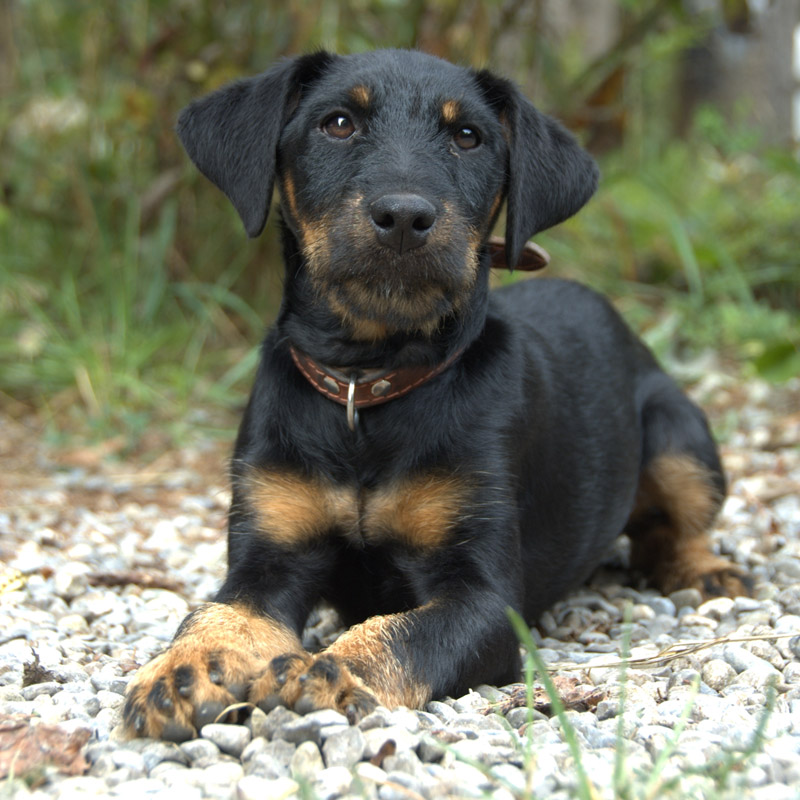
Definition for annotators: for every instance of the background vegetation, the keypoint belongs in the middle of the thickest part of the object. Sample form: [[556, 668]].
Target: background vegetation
[[129, 294]]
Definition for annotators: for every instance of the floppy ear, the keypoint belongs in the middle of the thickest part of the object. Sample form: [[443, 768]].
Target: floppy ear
[[232, 134], [550, 176]]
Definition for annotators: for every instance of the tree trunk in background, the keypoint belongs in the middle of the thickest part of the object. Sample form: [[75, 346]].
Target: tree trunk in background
[[596, 21], [744, 67], [8, 51]]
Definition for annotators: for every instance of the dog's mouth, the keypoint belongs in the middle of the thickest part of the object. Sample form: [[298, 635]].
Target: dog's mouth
[[378, 290]]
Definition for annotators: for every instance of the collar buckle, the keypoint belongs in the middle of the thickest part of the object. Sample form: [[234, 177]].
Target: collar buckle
[[352, 411]]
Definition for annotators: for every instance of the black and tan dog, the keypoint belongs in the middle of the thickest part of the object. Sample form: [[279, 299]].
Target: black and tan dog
[[418, 451]]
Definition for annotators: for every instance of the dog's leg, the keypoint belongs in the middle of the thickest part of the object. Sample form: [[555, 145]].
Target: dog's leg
[[402, 659], [217, 653], [681, 489]]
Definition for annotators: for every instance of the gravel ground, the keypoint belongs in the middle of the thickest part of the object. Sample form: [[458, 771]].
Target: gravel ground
[[101, 559]]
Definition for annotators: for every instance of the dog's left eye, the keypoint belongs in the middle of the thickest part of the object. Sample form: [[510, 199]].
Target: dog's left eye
[[339, 126], [467, 139]]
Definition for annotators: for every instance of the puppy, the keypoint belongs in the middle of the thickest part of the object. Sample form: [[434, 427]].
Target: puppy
[[418, 451]]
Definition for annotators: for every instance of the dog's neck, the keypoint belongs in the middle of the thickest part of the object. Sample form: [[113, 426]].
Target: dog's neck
[[308, 324]]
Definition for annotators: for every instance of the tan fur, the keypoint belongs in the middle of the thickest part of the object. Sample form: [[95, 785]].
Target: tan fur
[[230, 643], [290, 194], [292, 509], [367, 330], [683, 487], [366, 673], [361, 96], [218, 624], [495, 206], [367, 649], [676, 554], [450, 111], [420, 511], [365, 310]]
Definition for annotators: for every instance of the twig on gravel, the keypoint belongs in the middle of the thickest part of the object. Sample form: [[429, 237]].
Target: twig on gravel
[[136, 577], [675, 650]]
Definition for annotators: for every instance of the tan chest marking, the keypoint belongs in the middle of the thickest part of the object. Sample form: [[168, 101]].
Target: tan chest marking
[[293, 509], [420, 511]]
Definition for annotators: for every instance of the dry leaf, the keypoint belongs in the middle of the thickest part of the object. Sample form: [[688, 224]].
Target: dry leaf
[[26, 747]]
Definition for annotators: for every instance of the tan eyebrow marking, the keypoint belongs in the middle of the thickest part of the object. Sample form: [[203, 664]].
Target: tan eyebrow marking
[[450, 111], [361, 95]]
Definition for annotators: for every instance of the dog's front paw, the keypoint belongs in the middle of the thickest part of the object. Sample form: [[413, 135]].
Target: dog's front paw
[[217, 654], [309, 683], [187, 687]]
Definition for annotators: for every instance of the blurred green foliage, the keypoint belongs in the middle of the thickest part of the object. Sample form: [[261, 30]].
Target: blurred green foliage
[[128, 291]]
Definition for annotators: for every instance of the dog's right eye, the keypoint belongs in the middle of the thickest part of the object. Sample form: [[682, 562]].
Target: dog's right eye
[[339, 126]]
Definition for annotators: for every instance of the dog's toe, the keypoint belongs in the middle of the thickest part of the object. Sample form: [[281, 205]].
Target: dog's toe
[[311, 683], [185, 688]]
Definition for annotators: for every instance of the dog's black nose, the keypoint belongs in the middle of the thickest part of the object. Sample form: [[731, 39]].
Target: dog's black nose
[[402, 221]]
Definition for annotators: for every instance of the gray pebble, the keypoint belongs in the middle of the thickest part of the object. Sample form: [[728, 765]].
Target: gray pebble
[[760, 677], [468, 780], [344, 748], [517, 717], [400, 784], [791, 672], [306, 762], [512, 777], [718, 674], [308, 728], [167, 771], [332, 782], [661, 605], [269, 759], [741, 659], [491, 693], [375, 738], [746, 604], [231, 739], [379, 718], [481, 751], [430, 750], [158, 752], [136, 788], [253, 787], [426, 720], [406, 761], [258, 725], [197, 749], [443, 711], [405, 718], [469, 702], [131, 760], [13, 694], [276, 719], [36, 689], [71, 580], [716, 608], [110, 699], [684, 598], [108, 681]]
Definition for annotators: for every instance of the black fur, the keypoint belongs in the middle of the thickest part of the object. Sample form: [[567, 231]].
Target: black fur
[[549, 415]]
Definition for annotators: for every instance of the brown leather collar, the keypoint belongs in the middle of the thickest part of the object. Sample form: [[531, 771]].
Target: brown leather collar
[[360, 388], [370, 387]]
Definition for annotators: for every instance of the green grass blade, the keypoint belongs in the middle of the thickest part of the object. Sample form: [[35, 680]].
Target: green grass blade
[[586, 790]]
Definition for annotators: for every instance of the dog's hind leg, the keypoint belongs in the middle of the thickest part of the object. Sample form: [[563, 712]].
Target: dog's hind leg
[[681, 489]]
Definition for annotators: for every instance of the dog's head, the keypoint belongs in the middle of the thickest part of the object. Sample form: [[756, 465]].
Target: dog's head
[[392, 166]]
